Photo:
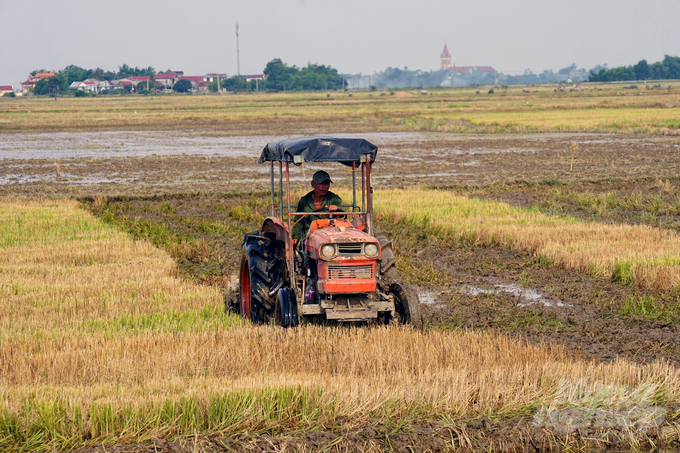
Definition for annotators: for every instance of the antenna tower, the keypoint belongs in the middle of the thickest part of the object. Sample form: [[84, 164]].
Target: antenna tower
[[238, 58]]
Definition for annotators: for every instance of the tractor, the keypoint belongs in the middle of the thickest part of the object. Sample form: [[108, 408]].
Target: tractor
[[342, 270]]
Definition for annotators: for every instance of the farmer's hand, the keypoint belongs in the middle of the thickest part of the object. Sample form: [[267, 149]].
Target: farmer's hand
[[332, 208]]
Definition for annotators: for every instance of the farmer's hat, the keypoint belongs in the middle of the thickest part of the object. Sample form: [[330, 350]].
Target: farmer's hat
[[321, 177]]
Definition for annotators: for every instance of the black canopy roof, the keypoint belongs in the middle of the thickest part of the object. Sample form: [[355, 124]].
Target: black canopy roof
[[318, 149]]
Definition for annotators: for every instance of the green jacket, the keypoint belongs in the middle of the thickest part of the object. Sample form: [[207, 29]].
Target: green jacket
[[306, 204]]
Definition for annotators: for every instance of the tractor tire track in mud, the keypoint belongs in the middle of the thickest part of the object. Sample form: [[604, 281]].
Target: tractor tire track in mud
[[506, 290]]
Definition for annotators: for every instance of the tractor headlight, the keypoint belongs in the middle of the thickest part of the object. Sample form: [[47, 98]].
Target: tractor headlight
[[328, 251], [371, 250]]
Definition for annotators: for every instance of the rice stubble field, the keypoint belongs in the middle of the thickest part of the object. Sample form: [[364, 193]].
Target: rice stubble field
[[547, 265]]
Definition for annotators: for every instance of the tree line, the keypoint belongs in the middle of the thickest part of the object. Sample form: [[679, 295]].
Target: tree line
[[64, 78], [668, 68], [280, 77]]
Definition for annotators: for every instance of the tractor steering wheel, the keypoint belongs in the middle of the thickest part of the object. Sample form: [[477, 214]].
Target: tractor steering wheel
[[331, 214]]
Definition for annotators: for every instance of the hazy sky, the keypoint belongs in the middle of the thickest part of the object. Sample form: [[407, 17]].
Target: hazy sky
[[354, 36]]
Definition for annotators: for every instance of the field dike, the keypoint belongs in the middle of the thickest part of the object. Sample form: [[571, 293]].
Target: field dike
[[640, 255], [102, 344]]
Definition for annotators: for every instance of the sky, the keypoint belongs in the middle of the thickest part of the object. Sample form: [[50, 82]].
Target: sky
[[353, 36]]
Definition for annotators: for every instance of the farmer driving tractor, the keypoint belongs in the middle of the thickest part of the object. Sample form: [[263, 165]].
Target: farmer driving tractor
[[319, 199], [342, 270]]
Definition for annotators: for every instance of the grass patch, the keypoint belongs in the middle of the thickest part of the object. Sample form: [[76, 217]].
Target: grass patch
[[650, 307]]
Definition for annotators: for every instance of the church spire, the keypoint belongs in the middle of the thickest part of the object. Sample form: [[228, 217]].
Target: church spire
[[445, 58]]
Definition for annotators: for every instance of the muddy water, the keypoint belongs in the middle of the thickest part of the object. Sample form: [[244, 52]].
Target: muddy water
[[124, 162], [524, 296], [104, 145]]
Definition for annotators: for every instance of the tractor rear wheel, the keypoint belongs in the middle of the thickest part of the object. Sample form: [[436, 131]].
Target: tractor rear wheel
[[406, 304], [261, 275]]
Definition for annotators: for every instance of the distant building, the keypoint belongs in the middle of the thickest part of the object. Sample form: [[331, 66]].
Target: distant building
[[445, 58], [167, 80], [445, 63], [29, 84], [467, 69], [145, 80], [250, 77], [198, 83], [6, 89], [122, 83], [91, 85], [212, 76]]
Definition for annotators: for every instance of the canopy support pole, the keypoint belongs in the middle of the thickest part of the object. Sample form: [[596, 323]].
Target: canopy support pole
[[354, 186], [271, 177], [281, 188], [363, 187], [291, 258], [369, 201]]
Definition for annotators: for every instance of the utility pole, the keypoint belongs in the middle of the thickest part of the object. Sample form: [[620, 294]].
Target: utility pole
[[238, 58]]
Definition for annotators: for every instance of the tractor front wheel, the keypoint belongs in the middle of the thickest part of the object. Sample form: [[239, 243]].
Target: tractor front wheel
[[286, 308], [406, 304], [388, 269]]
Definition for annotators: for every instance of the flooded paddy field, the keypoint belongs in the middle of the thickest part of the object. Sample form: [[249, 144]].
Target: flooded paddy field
[[117, 163]]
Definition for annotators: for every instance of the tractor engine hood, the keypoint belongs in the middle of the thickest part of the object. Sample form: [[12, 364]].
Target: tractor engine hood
[[341, 233], [346, 257]]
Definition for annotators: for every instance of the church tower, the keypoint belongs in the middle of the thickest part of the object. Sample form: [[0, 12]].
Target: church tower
[[445, 58]]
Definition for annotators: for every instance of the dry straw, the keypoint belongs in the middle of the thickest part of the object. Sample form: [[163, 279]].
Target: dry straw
[[636, 254], [102, 342]]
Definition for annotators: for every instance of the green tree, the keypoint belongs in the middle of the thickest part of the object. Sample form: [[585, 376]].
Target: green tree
[[320, 77], [642, 71], [182, 86], [236, 84], [75, 73], [126, 71], [671, 66], [280, 75], [564, 72], [52, 86]]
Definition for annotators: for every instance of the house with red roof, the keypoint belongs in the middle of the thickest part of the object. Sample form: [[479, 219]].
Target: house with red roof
[[6, 89], [91, 85], [133, 82], [166, 80], [465, 69], [29, 84], [198, 83], [212, 76], [122, 83], [144, 80]]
